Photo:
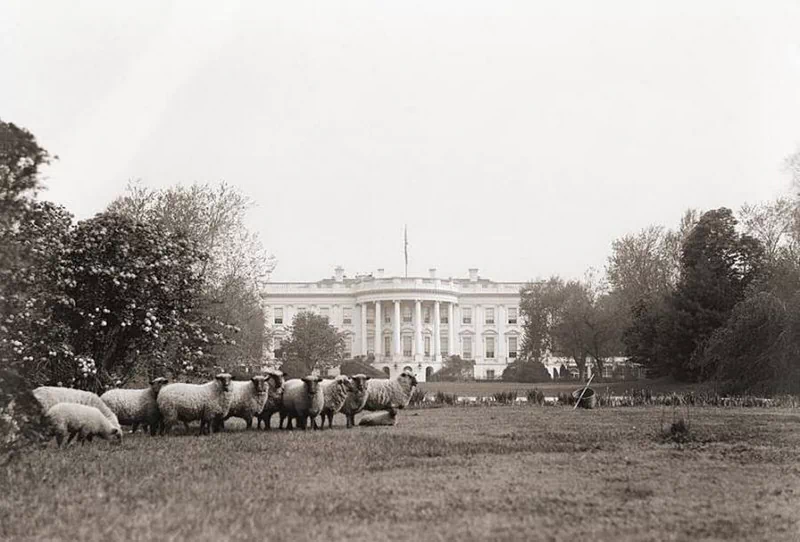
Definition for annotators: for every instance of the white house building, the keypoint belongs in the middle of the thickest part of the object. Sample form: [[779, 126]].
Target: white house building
[[408, 323]]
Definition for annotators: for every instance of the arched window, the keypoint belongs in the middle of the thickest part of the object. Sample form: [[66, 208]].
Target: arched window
[[386, 370]]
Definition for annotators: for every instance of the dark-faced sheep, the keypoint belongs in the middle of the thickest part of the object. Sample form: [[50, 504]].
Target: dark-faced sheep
[[302, 399], [186, 403], [356, 399]]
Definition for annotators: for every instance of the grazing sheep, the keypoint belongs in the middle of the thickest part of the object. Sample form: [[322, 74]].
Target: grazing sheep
[[188, 402], [390, 394], [49, 396], [274, 398], [334, 393], [248, 400], [356, 399], [139, 406], [302, 400], [379, 418], [70, 419]]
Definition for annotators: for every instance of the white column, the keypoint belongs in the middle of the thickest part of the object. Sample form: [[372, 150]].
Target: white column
[[418, 349], [378, 342], [477, 348], [363, 308], [437, 340], [501, 333], [455, 347], [398, 347], [451, 330]]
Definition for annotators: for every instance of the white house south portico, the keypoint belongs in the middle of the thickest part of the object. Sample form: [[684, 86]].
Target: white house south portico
[[408, 323]]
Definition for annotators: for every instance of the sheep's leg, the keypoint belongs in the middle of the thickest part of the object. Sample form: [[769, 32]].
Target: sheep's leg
[[135, 427], [60, 439], [351, 420], [330, 421], [248, 421]]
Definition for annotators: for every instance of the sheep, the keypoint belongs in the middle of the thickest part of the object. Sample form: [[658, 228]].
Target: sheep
[[354, 403], [249, 399], [49, 396], [274, 398], [390, 394], [188, 402], [139, 406], [334, 393], [379, 418], [302, 400], [70, 419]]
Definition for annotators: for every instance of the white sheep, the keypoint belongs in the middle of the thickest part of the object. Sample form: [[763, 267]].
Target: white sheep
[[249, 398], [390, 394], [87, 422], [189, 402], [334, 394], [137, 406], [49, 396], [356, 399], [302, 399], [379, 418], [274, 398]]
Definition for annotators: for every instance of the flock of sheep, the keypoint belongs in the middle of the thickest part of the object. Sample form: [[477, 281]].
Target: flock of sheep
[[71, 412]]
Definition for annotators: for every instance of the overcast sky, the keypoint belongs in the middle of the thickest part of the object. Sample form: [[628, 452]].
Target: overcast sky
[[521, 138]]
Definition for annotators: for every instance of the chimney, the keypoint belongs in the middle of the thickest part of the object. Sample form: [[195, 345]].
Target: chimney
[[432, 272], [473, 274], [339, 273], [379, 274]]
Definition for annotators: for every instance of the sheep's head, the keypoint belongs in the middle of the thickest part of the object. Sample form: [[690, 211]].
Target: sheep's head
[[224, 380], [360, 382], [115, 434], [312, 384], [345, 383], [157, 383], [275, 381], [407, 380], [259, 384]]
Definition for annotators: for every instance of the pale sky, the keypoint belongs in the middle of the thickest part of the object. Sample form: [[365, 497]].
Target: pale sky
[[521, 138]]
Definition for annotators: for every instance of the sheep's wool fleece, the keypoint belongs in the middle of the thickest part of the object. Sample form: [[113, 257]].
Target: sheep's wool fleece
[[132, 406], [385, 394], [378, 418], [355, 401], [190, 402], [66, 418], [297, 402], [245, 401], [334, 393], [49, 396]]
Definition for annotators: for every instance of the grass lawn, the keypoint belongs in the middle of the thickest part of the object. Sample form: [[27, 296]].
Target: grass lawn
[[458, 473], [485, 389]]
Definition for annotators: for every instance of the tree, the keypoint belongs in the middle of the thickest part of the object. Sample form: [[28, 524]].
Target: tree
[[312, 344], [717, 266], [526, 371], [455, 369], [774, 224], [237, 267]]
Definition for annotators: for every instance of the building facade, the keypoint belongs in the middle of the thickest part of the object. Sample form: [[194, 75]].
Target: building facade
[[408, 323]]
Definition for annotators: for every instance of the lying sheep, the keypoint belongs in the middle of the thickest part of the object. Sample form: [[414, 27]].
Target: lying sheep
[[274, 398], [189, 402], [249, 398], [390, 394], [356, 399], [49, 396], [302, 400], [138, 406], [379, 418], [334, 394], [87, 422]]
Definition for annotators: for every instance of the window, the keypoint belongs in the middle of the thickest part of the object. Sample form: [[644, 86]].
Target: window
[[426, 315], [277, 317], [427, 345], [512, 347], [387, 345], [325, 312], [490, 347], [512, 315], [466, 315], [443, 318], [466, 347], [490, 374], [348, 347], [371, 315], [387, 317], [444, 346], [489, 315], [407, 345], [406, 314], [370, 345], [347, 316], [607, 371]]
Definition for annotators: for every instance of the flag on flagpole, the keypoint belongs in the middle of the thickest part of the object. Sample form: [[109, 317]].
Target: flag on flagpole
[[405, 246]]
